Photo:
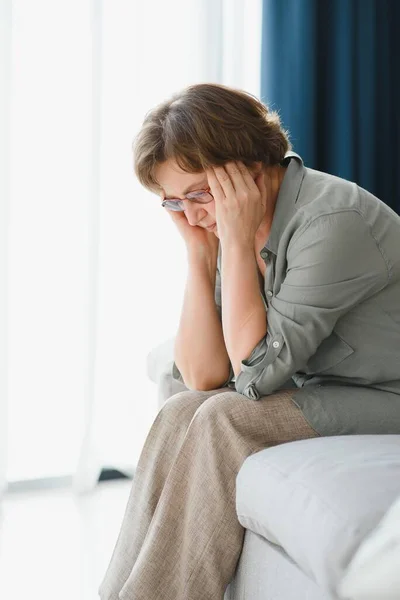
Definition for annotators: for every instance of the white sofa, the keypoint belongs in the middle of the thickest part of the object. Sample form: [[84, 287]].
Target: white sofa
[[306, 505]]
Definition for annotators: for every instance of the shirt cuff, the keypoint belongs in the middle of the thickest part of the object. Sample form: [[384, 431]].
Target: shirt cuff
[[264, 354]]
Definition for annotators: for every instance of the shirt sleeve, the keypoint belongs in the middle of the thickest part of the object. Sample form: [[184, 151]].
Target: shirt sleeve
[[332, 263], [176, 374]]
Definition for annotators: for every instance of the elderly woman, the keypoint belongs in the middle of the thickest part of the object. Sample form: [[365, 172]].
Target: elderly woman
[[290, 329]]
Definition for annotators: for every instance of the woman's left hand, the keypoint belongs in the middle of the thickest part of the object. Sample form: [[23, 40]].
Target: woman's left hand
[[240, 202]]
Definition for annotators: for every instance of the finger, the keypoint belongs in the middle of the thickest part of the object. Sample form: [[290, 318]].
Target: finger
[[214, 184], [261, 184], [246, 175], [260, 180], [236, 176], [225, 182]]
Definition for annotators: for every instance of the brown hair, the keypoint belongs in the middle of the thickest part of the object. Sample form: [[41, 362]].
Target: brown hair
[[208, 124]]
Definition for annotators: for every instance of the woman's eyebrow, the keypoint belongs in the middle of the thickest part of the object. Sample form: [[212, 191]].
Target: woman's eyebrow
[[195, 186]]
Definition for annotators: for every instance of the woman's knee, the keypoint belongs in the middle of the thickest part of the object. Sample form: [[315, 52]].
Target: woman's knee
[[185, 402], [220, 405], [274, 418]]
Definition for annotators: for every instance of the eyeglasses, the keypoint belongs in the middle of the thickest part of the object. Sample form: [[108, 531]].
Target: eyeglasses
[[200, 196]]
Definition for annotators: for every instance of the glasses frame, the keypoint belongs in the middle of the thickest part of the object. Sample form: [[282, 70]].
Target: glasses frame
[[179, 202]]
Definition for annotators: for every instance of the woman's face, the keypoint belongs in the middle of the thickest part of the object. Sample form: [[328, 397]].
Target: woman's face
[[176, 183]]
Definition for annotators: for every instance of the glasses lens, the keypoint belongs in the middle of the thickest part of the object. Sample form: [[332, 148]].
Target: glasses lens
[[200, 196], [173, 205]]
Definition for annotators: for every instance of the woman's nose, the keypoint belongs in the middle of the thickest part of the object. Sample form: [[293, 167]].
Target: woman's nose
[[193, 213]]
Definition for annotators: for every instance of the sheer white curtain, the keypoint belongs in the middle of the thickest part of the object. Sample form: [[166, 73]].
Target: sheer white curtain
[[5, 77], [92, 270]]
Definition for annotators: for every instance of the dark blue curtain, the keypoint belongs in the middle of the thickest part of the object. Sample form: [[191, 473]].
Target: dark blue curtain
[[332, 70]]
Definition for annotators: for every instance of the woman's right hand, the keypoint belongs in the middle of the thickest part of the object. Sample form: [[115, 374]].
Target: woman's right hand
[[195, 237]]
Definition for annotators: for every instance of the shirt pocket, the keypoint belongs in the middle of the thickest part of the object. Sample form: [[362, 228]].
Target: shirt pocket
[[332, 351]]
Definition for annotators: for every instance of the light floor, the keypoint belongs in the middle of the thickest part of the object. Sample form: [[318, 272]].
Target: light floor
[[55, 545]]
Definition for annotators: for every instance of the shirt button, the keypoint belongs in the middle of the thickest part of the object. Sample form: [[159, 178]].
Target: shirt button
[[264, 253], [269, 293], [275, 344]]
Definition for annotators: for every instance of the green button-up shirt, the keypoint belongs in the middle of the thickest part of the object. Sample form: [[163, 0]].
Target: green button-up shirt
[[332, 299]]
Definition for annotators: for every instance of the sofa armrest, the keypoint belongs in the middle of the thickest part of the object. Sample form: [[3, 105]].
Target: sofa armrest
[[159, 358], [159, 369]]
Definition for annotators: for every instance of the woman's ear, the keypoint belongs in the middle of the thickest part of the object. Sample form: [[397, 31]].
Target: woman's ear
[[256, 169]]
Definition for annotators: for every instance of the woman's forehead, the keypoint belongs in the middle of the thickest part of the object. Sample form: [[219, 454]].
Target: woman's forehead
[[172, 179]]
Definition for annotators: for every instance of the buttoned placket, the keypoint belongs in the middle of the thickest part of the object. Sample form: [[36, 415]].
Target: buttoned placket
[[269, 282], [269, 273]]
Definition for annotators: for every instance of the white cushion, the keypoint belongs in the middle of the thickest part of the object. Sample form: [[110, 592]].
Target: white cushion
[[374, 571], [318, 498]]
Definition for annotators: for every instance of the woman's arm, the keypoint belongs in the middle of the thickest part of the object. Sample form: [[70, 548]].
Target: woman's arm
[[244, 319], [200, 352]]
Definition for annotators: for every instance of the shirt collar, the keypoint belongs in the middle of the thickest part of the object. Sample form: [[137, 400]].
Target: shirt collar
[[287, 197]]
